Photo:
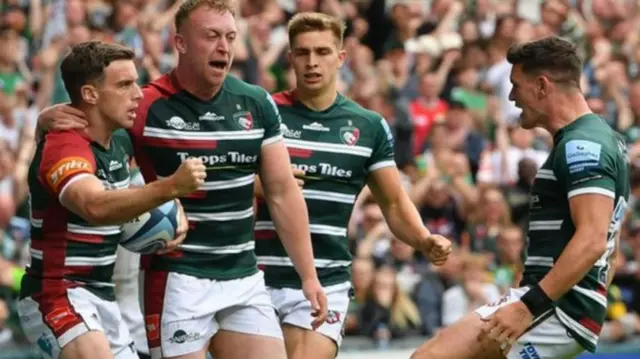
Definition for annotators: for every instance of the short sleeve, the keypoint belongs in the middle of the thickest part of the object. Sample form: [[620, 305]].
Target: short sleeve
[[65, 159], [382, 154], [270, 119], [585, 166]]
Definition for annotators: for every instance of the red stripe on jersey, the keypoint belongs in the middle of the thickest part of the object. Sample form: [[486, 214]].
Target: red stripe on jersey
[[85, 238], [54, 244], [590, 324], [180, 144], [601, 290], [265, 234], [299, 153], [155, 284], [196, 195], [57, 312]]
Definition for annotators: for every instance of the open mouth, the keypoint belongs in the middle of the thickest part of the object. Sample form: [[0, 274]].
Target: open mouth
[[132, 112], [218, 64], [312, 76]]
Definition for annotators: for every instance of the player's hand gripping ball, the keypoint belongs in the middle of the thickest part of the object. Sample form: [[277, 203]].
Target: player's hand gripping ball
[[151, 231]]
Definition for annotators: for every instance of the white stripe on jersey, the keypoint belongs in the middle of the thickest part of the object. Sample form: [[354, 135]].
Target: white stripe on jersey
[[225, 184], [546, 174], [545, 225], [153, 132], [93, 230], [328, 196], [286, 262], [36, 223], [381, 164], [592, 294], [35, 253], [220, 216], [89, 261], [539, 261], [577, 327], [329, 147], [231, 249], [270, 140], [313, 228], [591, 190]]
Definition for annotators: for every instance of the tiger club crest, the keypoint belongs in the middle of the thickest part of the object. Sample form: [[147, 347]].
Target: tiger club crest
[[244, 119], [349, 134]]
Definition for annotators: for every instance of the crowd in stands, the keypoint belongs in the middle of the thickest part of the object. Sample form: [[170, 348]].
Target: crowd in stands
[[435, 69]]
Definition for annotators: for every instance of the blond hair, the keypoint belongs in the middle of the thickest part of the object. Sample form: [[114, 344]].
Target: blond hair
[[315, 21], [404, 312], [189, 6]]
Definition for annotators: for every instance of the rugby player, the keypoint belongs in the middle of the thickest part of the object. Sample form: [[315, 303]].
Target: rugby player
[[210, 295], [340, 147], [79, 197], [578, 201]]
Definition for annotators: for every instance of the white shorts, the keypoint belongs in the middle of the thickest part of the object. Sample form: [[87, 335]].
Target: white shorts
[[293, 308], [182, 313], [548, 339], [53, 322]]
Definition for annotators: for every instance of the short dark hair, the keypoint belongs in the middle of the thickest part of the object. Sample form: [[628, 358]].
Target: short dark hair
[[554, 56], [85, 63], [189, 6]]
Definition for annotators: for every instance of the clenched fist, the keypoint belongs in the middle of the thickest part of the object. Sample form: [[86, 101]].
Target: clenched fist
[[189, 176], [436, 248]]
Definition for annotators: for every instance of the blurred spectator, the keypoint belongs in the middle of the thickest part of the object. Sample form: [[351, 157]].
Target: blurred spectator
[[474, 290]]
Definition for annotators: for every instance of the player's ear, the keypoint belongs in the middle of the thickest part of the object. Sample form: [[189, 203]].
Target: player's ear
[[542, 86], [89, 94], [180, 45], [342, 56]]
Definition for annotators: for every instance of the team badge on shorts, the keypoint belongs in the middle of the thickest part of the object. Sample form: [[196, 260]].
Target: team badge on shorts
[[244, 119], [333, 317], [349, 135]]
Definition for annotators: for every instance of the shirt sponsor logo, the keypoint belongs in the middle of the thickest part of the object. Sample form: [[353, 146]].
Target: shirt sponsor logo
[[231, 157], [325, 169], [179, 124], [211, 116], [180, 336], [66, 168], [114, 165], [316, 126], [286, 132], [528, 352], [582, 151]]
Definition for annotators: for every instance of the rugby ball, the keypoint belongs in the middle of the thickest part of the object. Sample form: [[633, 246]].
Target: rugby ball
[[150, 231]]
